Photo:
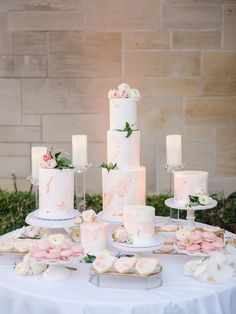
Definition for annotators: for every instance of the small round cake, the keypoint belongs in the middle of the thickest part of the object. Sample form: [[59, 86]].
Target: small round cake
[[94, 237], [139, 222], [189, 183]]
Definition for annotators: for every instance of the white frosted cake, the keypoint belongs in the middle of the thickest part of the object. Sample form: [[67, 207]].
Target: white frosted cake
[[56, 193], [123, 110], [125, 183], [94, 237], [139, 222], [189, 183]]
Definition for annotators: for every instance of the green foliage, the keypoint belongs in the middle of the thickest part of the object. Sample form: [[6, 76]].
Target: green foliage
[[89, 259], [14, 207], [109, 166], [62, 162], [127, 129]]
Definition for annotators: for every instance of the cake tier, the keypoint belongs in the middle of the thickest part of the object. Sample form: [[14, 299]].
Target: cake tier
[[188, 183], [139, 222], [123, 110], [125, 151], [122, 188], [94, 237], [56, 192]]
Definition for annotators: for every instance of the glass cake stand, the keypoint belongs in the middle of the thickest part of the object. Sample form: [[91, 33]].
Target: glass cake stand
[[58, 269], [171, 202]]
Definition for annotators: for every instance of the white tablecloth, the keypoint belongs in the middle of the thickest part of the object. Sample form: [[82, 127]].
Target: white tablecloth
[[178, 295]]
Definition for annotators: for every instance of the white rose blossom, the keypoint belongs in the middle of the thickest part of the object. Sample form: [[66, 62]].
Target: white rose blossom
[[89, 215], [37, 268], [23, 268], [56, 239], [203, 199], [124, 87], [134, 93]]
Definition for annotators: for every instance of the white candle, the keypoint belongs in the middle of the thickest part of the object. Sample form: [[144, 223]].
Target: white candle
[[173, 150], [79, 150], [36, 156]]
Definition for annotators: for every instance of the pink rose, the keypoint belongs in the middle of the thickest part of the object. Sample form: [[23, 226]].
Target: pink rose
[[47, 157]]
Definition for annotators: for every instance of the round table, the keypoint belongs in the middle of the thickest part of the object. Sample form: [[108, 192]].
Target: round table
[[178, 294]]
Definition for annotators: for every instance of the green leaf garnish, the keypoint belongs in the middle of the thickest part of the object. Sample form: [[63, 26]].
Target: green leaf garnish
[[89, 259], [109, 166], [127, 129]]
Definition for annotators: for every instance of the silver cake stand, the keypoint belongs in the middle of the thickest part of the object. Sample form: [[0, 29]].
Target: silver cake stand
[[171, 202], [57, 270]]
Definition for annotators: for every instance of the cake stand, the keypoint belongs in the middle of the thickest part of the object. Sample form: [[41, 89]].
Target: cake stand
[[57, 269], [171, 202], [139, 249], [109, 219]]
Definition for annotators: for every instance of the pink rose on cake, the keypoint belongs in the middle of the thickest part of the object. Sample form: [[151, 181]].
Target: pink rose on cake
[[124, 91]]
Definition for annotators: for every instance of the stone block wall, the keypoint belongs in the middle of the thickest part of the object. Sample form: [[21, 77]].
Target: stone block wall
[[58, 58]]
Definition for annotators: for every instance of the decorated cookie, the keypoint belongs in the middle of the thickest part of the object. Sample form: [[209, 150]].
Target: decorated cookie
[[104, 263], [124, 264], [147, 265]]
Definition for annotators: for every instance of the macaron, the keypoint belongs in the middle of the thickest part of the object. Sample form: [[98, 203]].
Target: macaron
[[77, 250], [38, 254], [196, 237], [218, 244], [53, 254], [44, 245], [65, 254], [193, 248], [207, 247], [180, 245], [209, 236]]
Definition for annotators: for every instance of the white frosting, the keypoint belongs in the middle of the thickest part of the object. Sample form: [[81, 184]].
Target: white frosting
[[122, 188], [139, 222], [187, 183], [56, 192], [125, 151], [123, 110], [94, 237]]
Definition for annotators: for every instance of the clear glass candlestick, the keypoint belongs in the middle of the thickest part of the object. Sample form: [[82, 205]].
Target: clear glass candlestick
[[35, 183], [80, 187], [171, 169]]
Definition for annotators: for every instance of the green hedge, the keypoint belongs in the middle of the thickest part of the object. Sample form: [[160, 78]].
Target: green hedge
[[14, 206]]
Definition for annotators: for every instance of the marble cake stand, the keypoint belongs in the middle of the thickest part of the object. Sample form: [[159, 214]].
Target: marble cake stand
[[170, 202], [57, 270]]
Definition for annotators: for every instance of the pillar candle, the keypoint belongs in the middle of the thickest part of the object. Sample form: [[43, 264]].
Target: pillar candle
[[36, 156], [79, 150], [173, 150]]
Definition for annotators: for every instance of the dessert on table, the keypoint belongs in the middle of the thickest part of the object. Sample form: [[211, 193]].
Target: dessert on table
[[123, 179]]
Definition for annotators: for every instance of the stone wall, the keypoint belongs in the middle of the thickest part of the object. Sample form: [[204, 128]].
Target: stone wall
[[58, 58]]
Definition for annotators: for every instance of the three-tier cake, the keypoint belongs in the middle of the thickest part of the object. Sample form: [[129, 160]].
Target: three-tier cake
[[123, 179]]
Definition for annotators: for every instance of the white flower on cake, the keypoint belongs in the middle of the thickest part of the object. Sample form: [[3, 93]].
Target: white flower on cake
[[49, 164], [89, 215], [203, 199], [79, 220], [120, 235], [56, 239], [124, 91]]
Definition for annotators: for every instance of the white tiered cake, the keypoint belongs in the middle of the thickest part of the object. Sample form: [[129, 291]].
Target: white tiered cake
[[125, 184]]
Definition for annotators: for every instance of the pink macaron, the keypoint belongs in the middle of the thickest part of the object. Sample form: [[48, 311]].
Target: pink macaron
[[44, 245], [218, 244], [192, 248], [77, 250], [207, 247], [53, 254], [209, 236], [38, 254], [180, 245], [196, 237], [65, 254]]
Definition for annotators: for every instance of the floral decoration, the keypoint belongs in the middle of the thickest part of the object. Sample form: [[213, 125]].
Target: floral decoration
[[53, 160], [124, 91], [200, 197], [109, 166]]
